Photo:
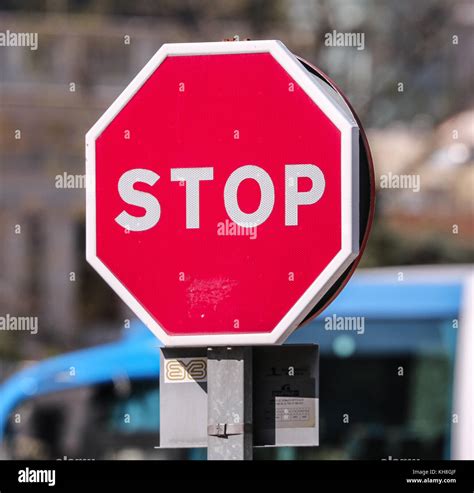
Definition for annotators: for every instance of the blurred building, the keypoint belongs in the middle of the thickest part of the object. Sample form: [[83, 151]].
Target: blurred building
[[89, 51], [439, 164]]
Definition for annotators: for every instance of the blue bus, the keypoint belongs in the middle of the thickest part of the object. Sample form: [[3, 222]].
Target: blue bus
[[396, 381]]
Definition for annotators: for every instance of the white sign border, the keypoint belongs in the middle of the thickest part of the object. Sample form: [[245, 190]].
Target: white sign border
[[349, 192]]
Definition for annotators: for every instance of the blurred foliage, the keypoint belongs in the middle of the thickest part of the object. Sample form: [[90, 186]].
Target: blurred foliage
[[405, 42], [9, 348], [387, 246], [188, 11]]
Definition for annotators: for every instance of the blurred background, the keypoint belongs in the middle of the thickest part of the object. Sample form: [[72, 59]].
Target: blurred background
[[411, 85]]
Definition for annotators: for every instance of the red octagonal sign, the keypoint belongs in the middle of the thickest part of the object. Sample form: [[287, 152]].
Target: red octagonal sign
[[222, 193]]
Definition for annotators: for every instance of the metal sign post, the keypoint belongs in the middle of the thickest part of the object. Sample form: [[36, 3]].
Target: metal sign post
[[229, 387], [232, 398]]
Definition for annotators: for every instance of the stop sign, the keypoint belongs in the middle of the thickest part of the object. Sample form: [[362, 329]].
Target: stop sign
[[222, 193]]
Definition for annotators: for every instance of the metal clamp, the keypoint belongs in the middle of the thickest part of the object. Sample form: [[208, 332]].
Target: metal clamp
[[224, 430]]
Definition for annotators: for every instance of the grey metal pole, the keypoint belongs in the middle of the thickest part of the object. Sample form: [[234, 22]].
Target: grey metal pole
[[229, 390]]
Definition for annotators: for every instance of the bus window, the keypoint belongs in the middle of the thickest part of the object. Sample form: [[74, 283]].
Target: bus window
[[386, 393], [108, 421]]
